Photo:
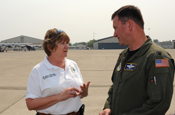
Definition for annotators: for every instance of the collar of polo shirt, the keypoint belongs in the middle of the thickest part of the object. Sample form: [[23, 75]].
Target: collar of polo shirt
[[49, 65]]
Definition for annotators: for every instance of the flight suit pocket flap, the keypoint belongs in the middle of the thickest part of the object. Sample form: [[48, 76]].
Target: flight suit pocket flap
[[162, 70]]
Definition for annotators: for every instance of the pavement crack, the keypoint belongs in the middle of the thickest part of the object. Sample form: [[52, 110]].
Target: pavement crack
[[12, 104], [99, 85], [12, 88]]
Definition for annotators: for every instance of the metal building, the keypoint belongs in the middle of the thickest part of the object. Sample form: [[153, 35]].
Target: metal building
[[23, 39], [165, 44], [173, 44], [108, 43]]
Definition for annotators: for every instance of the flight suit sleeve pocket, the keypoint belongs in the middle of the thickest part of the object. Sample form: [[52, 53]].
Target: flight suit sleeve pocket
[[155, 86]]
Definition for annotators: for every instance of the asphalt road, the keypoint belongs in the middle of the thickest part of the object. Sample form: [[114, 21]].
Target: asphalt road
[[95, 65]]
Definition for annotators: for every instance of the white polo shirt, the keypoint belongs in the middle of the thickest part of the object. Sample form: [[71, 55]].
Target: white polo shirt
[[46, 80]]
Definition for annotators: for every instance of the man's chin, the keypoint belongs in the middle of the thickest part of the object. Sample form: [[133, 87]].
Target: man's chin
[[121, 44]]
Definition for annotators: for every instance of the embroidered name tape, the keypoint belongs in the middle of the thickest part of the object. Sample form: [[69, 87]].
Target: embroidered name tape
[[130, 66], [49, 76], [161, 63]]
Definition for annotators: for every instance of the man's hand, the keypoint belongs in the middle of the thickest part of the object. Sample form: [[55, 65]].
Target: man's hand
[[105, 112]]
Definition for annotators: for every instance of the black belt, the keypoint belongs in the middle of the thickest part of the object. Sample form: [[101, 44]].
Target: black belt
[[80, 112]]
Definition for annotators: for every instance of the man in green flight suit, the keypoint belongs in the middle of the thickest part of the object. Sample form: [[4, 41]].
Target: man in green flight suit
[[144, 73]]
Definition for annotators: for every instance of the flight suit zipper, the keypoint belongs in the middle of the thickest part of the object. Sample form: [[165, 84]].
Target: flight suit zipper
[[122, 68]]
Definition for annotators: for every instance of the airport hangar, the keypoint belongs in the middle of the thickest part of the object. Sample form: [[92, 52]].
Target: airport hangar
[[23, 39], [26, 40], [108, 43]]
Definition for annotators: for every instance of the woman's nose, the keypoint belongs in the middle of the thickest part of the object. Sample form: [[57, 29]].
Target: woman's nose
[[67, 45]]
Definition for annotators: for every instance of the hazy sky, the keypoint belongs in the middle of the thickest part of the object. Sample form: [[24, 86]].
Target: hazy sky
[[82, 20]]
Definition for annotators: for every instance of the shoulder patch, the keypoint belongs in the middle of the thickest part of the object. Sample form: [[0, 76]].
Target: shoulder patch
[[130, 66], [72, 69], [161, 63], [119, 67]]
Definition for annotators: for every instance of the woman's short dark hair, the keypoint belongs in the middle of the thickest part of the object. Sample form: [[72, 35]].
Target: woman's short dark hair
[[129, 12], [52, 37]]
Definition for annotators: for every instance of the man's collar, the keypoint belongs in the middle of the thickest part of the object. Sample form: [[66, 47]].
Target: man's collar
[[142, 49]]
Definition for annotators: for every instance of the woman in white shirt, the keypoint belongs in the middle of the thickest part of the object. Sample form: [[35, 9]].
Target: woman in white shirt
[[55, 86]]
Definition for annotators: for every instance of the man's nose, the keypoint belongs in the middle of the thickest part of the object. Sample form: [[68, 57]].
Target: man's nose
[[115, 34]]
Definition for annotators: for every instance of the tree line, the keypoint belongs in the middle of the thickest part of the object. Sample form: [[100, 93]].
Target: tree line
[[87, 44]]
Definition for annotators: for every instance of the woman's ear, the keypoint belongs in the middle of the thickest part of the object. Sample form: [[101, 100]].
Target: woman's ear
[[48, 46]]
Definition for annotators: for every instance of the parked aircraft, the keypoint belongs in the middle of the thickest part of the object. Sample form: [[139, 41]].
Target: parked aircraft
[[18, 47], [2, 48]]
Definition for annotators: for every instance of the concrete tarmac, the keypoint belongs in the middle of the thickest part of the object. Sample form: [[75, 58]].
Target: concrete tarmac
[[95, 65]]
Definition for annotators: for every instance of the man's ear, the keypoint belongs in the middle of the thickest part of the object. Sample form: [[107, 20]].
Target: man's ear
[[131, 25]]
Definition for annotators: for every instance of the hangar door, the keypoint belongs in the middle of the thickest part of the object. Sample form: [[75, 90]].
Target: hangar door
[[110, 46]]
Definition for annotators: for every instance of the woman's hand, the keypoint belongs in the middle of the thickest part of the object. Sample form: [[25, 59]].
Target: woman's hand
[[45, 102], [84, 90], [68, 93]]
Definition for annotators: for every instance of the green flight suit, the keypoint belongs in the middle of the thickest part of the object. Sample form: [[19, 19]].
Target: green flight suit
[[141, 86]]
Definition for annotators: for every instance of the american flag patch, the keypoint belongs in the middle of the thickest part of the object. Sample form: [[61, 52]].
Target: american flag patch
[[162, 63]]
